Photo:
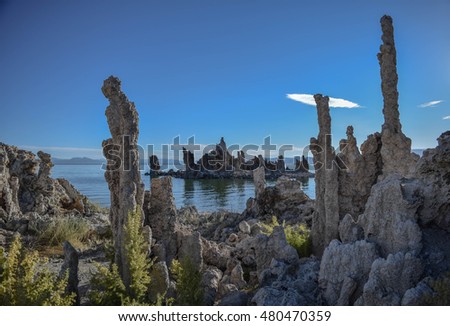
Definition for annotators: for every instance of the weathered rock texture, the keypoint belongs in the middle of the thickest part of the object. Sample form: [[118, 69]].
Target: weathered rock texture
[[396, 147], [390, 278], [344, 270], [70, 266], [326, 217], [390, 218], [161, 215], [122, 172], [26, 187], [433, 169], [259, 179]]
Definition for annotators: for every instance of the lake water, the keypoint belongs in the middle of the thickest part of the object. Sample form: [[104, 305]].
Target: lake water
[[206, 195]]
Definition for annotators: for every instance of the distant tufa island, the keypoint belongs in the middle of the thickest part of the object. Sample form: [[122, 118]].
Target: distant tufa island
[[219, 163]]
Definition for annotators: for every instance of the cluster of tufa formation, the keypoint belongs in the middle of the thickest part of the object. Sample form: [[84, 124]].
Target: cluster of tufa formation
[[381, 216]]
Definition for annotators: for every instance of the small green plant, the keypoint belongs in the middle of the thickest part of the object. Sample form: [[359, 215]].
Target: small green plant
[[441, 289], [108, 287], [298, 236], [24, 282], [188, 280], [74, 230]]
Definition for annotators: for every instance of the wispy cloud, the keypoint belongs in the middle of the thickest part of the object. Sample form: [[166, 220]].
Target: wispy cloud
[[334, 102], [446, 117], [430, 104]]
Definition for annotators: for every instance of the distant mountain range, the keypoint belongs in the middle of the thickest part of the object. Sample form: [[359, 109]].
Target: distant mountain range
[[89, 161], [77, 161]]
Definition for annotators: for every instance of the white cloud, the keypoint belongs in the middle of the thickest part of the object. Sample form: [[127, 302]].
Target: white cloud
[[334, 102], [430, 104], [446, 118]]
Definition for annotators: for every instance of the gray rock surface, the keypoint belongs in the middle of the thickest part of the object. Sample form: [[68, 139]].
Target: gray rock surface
[[211, 277], [390, 218], [161, 215], [390, 278], [273, 247], [259, 179], [349, 230], [433, 169], [122, 172], [344, 270], [70, 266], [396, 147], [160, 281], [326, 217], [235, 298]]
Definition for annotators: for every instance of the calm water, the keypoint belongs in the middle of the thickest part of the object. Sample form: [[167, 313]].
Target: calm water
[[206, 195]]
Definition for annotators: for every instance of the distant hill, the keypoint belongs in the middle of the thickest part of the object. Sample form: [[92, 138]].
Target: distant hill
[[77, 161]]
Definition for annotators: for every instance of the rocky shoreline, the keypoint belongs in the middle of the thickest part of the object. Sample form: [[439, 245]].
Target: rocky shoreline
[[378, 232]]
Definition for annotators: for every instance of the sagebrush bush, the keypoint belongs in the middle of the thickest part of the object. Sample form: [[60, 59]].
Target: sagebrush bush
[[108, 287], [298, 236], [24, 282], [72, 229], [188, 280]]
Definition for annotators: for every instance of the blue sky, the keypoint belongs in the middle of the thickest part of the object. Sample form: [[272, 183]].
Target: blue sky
[[215, 68]]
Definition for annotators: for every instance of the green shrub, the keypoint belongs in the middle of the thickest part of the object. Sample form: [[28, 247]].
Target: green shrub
[[441, 289], [188, 280], [107, 286], [298, 236], [74, 230], [24, 282]]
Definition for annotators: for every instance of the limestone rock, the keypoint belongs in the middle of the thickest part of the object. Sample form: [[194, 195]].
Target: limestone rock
[[433, 169], [122, 172], [349, 230], [326, 217], [215, 254], [160, 281], [259, 179], [161, 215], [344, 269], [70, 266], [390, 218], [211, 277], [390, 278], [415, 296], [269, 296], [396, 147], [235, 298], [190, 248], [273, 247], [244, 227], [237, 276], [25, 188]]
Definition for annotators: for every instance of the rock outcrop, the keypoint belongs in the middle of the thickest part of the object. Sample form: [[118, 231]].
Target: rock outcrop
[[390, 218], [433, 169], [390, 278], [396, 147], [70, 266], [326, 217], [122, 172], [27, 188], [259, 180], [161, 215], [344, 270]]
